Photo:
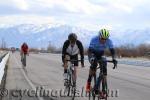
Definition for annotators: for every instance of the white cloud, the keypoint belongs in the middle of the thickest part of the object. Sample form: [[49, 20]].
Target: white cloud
[[22, 4], [30, 19], [84, 6], [74, 6], [123, 7], [85, 13], [6, 2]]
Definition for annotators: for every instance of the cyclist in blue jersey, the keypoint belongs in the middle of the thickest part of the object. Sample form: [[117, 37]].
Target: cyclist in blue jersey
[[96, 50]]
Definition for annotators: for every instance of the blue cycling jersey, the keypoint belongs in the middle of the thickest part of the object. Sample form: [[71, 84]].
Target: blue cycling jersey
[[97, 46]]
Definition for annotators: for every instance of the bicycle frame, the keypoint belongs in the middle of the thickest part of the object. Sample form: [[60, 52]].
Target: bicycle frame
[[71, 83], [100, 79], [23, 59]]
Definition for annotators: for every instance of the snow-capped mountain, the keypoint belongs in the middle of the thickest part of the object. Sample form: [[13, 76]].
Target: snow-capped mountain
[[134, 37], [41, 35]]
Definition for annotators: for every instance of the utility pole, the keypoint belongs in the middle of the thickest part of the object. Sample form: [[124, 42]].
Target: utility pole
[[2, 44]]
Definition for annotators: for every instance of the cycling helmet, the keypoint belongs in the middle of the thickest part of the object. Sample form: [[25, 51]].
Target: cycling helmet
[[104, 33], [72, 37]]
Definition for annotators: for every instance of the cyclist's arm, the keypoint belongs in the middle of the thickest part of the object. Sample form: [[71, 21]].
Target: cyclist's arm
[[65, 45], [81, 51], [112, 50], [91, 48]]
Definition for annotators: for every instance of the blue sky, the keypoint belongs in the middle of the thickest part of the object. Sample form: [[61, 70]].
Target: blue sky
[[89, 14]]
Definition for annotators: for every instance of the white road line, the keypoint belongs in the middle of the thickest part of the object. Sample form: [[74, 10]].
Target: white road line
[[27, 79]]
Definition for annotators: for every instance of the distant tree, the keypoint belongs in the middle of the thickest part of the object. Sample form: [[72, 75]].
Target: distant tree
[[130, 50], [51, 48], [36, 50]]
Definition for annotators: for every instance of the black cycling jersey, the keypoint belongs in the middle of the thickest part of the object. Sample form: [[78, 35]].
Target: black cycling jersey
[[78, 48]]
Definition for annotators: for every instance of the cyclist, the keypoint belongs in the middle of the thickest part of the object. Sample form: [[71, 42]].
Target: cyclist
[[24, 52], [71, 48], [96, 50]]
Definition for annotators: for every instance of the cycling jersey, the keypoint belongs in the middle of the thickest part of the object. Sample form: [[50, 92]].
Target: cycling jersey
[[97, 47], [70, 50]]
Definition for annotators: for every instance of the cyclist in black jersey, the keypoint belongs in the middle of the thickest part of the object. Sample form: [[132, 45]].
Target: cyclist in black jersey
[[71, 48]]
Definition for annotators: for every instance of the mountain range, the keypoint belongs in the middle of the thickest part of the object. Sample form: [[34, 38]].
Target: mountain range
[[41, 35]]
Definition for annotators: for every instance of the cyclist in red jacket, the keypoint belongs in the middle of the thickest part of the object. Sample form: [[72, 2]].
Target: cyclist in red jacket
[[24, 52], [24, 48]]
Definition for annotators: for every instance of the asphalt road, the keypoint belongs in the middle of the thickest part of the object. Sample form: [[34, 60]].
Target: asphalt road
[[128, 82]]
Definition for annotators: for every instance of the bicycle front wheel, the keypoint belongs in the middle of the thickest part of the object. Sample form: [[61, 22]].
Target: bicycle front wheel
[[68, 86], [103, 90], [92, 91]]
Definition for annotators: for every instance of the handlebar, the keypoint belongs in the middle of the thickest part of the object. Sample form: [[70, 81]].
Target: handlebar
[[110, 61], [74, 60]]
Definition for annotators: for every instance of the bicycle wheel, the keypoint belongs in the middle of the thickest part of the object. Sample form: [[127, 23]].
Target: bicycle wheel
[[103, 85], [69, 85], [106, 90], [73, 92], [23, 60], [92, 91], [73, 86]]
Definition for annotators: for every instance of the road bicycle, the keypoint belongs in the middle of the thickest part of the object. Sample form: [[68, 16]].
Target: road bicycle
[[99, 84], [70, 82], [23, 59]]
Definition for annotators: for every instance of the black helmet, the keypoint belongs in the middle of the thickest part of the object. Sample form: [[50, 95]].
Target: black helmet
[[24, 43], [72, 37]]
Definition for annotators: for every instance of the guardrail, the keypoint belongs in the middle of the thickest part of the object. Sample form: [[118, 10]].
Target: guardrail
[[3, 61]]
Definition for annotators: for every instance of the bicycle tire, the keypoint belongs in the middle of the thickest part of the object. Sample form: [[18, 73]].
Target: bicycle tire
[[74, 93], [73, 86], [100, 87], [69, 86], [23, 60], [91, 92]]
